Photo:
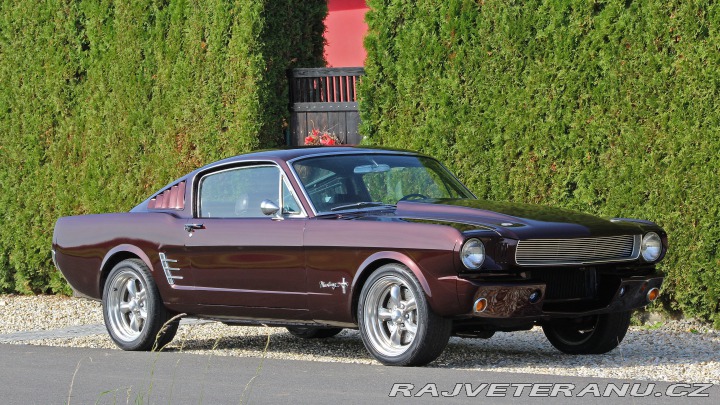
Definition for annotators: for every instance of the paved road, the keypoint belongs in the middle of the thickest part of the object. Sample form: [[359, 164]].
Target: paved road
[[56, 375]]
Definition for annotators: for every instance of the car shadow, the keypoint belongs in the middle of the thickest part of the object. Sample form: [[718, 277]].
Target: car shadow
[[514, 350]]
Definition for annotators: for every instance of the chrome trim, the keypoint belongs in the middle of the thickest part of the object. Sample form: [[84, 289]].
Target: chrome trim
[[302, 214], [476, 303], [269, 208], [165, 262], [53, 254], [190, 228], [642, 242], [356, 152], [332, 285], [570, 251], [462, 253], [481, 227]]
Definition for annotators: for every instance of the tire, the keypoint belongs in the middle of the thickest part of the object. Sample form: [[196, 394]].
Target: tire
[[133, 311], [311, 332], [396, 324], [592, 335]]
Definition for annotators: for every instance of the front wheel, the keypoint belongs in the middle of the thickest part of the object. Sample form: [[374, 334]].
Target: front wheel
[[396, 324], [134, 314], [596, 334]]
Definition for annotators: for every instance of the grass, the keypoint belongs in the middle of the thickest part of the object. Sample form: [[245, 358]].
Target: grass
[[248, 386], [143, 396]]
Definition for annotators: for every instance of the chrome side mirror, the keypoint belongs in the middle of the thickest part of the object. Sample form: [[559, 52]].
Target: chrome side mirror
[[270, 208]]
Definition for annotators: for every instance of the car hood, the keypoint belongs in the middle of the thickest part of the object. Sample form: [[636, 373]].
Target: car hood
[[513, 220]]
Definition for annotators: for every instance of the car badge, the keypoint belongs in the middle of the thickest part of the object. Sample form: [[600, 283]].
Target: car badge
[[343, 284]]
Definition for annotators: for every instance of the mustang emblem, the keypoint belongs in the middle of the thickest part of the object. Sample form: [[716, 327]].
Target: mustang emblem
[[343, 284]]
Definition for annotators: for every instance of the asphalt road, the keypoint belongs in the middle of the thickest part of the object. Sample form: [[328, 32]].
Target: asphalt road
[[57, 375]]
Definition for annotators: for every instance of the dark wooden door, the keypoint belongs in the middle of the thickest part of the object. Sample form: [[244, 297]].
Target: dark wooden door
[[324, 99]]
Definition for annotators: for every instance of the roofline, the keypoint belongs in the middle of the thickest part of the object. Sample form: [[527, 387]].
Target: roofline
[[292, 153]]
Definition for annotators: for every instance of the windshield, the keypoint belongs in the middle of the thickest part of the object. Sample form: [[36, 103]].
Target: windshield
[[335, 183]]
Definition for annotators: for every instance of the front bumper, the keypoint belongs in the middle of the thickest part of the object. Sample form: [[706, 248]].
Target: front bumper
[[515, 300]]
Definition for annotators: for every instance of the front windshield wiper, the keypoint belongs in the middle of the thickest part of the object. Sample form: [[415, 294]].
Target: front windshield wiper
[[362, 204]]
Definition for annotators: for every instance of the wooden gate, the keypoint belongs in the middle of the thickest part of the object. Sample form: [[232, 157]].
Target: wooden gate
[[324, 99]]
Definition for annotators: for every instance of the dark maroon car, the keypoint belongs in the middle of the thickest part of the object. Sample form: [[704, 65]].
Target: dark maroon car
[[389, 242]]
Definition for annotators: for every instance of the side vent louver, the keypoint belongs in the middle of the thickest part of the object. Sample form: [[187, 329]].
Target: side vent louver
[[172, 198]]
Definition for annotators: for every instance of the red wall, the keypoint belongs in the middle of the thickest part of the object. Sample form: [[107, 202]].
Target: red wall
[[345, 29]]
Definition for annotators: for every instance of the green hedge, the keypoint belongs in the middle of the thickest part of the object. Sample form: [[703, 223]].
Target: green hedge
[[103, 102], [609, 107]]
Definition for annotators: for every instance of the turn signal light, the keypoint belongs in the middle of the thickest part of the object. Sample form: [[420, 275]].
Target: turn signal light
[[653, 294], [481, 305]]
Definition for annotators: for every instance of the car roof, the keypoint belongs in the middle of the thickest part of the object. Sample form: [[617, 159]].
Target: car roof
[[300, 152], [282, 155]]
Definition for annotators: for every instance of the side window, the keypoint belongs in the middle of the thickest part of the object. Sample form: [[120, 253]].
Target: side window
[[238, 192]]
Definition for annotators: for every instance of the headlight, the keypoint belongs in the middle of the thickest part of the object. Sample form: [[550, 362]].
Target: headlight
[[651, 247], [473, 254]]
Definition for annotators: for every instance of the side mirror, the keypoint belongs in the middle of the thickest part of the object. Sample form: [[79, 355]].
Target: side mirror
[[270, 208]]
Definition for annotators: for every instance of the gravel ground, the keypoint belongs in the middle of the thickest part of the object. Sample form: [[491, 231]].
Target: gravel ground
[[674, 351]]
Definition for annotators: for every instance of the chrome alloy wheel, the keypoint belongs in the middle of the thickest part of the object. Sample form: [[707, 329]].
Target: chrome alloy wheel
[[127, 305], [391, 315]]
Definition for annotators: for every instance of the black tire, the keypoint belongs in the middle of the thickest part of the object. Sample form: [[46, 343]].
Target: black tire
[[396, 323], [313, 332], [134, 314], [596, 334]]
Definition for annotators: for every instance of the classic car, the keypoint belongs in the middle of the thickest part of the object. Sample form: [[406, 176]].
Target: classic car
[[385, 241]]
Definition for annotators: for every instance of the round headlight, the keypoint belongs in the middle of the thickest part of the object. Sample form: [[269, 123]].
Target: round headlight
[[651, 247], [473, 254]]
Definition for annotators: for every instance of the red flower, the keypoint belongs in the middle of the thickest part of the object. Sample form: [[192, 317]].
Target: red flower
[[321, 138], [326, 140]]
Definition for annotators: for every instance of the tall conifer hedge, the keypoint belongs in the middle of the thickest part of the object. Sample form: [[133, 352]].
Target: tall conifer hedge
[[102, 102], [610, 107]]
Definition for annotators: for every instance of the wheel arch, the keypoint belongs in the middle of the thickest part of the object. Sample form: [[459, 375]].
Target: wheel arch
[[374, 262], [117, 255]]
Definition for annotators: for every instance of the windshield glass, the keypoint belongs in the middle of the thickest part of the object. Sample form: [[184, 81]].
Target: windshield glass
[[335, 183]]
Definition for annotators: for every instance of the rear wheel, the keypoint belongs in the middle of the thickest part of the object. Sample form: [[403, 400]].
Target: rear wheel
[[397, 325], [134, 314], [596, 334], [312, 332]]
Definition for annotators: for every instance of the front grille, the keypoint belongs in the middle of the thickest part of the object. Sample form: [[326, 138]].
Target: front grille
[[543, 252]]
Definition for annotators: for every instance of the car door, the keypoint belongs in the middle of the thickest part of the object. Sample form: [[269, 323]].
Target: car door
[[241, 257]]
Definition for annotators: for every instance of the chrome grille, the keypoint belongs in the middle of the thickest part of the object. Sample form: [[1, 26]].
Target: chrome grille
[[542, 252]]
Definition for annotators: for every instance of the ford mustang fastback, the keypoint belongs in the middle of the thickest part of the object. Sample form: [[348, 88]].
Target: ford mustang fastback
[[388, 242]]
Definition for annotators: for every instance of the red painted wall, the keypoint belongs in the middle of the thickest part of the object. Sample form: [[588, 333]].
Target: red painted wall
[[345, 29]]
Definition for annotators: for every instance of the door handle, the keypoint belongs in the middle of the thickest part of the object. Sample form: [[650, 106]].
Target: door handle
[[192, 227]]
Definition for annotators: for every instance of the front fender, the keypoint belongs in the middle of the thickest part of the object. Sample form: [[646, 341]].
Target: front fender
[[441, 292]]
